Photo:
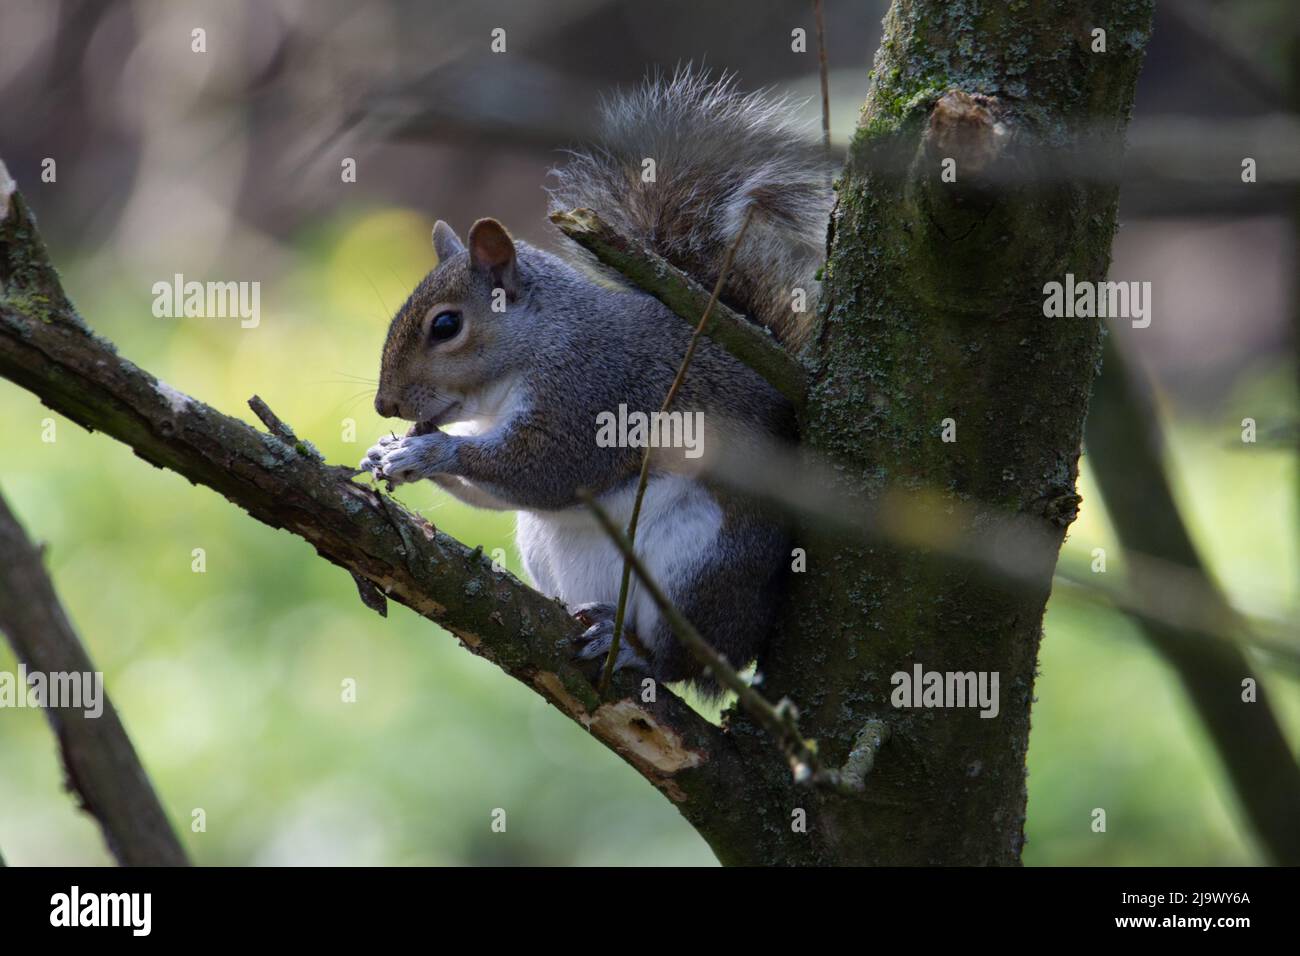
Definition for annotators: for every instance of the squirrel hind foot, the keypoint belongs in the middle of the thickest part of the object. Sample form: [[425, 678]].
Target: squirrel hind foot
[[596, 640]]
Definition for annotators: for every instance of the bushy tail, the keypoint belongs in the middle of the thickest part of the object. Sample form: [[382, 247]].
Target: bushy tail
[[717, 153]]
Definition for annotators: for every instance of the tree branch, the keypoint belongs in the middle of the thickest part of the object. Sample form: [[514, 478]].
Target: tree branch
[[686, 297], [101, 765], [902, 517], [45, 347], [1124, 445]]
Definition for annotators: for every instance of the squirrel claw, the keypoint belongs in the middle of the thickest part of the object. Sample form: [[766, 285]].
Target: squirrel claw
[[399, 461], [596, 640], [592, 613], [375, 455]]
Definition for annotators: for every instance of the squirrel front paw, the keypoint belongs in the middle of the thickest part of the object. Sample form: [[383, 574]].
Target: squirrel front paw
[[595, 641], [400, 460]]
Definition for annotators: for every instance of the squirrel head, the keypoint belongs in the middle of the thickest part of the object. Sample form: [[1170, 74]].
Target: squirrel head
[[442, 347]]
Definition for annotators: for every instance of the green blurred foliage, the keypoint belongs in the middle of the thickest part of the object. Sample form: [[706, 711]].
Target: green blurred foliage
[[230, 681]]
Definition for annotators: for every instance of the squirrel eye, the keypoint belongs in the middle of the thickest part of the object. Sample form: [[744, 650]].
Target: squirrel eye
[[444, 326]]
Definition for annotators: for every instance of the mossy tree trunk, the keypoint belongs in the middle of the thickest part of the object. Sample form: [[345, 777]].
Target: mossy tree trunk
[[933, 312]]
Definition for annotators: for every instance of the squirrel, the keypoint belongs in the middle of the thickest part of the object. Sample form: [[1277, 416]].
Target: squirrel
[[524, 386]]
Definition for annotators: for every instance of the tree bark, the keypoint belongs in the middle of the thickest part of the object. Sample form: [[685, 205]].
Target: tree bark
[[100, 763], [1126, 446], [933, 310]]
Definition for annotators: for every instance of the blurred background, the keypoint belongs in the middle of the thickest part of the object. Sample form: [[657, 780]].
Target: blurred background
[[225, 165]]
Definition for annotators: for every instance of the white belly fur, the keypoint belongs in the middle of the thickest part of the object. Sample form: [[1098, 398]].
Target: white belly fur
[[569, 556]]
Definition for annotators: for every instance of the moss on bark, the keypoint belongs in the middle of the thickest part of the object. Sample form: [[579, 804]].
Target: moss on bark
[[933, 311]]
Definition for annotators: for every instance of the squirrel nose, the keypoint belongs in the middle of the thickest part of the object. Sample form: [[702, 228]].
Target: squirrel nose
[[385, 407]]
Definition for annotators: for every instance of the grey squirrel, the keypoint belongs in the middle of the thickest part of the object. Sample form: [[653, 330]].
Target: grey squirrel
[[527, 383]]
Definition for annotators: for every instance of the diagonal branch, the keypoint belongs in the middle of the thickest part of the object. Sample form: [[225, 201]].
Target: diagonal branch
[[1124, 444], [101, 765], [687, 298], [47, 349]]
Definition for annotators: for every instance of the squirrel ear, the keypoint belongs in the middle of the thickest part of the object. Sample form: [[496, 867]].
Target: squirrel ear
[[492, 251], [445, 241]]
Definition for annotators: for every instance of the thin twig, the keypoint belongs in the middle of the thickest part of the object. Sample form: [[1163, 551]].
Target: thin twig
[[904, 517], [281, 430], [370, 595], [824, 69], [780, 719], [274, 424], [621, 609]]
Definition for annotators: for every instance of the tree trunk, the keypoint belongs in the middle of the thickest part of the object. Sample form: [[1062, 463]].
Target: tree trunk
[[933, 311]]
